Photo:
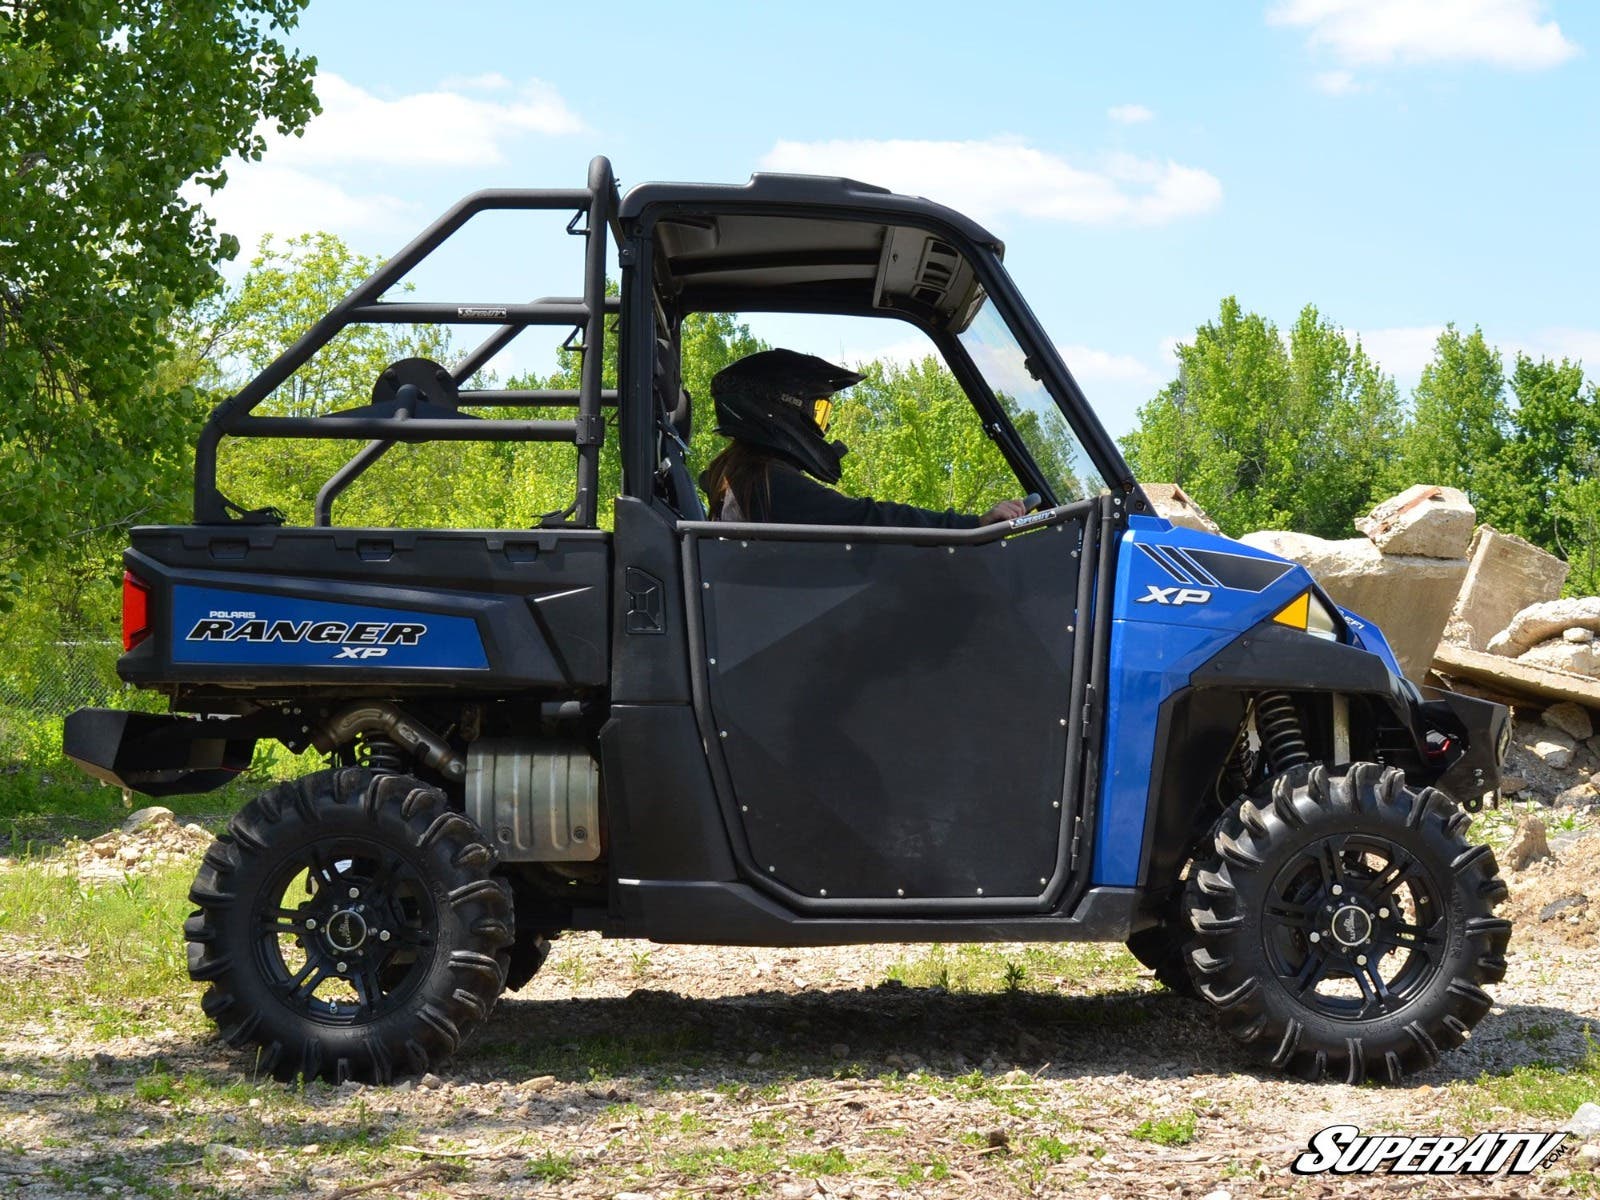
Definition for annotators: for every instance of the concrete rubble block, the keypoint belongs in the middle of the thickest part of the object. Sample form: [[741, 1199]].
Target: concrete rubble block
[[1530, 845], [1560, 655], [1578, 637], [1504, 576], [1572, 719], [1407, 596], [1543, 622], [1176, 505], [1426, 521], [1551, 747]]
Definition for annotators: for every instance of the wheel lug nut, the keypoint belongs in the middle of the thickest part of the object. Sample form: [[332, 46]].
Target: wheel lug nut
[[1337, 889], [1315, 936], [354, 893], [1361, 960], [1383, 912], [343, 967], [311, 922], [383, 935]]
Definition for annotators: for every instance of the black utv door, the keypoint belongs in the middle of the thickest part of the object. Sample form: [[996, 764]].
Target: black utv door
[[890, 714]]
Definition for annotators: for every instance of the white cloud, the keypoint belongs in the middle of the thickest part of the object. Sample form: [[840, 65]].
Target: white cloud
[[1092, 367], [1335, 83], [263, 198], [1002, 176], [1402, 351], [425, 129], [1580, 345], [1130, 114], [1501, 33]]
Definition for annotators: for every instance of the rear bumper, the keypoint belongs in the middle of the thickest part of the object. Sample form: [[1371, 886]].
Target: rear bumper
[[154, 753], [1483, 729]]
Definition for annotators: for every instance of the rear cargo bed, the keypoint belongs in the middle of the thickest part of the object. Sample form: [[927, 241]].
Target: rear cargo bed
[[391, 610]]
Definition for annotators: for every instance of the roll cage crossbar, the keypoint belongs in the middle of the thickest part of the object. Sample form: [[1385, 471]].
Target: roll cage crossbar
[[596, 207]]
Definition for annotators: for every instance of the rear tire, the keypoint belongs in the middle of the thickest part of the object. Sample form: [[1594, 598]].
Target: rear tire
[[349, 927], [1345, 926]]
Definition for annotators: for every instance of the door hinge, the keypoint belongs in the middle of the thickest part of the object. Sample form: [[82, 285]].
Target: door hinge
[[1088, 712], [1077, 843]]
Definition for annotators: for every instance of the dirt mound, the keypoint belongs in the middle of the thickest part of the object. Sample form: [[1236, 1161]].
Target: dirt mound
[[1559, 897], [150, 838]]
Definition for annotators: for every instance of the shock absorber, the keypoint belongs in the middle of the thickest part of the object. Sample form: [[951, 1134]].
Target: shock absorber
[[383, 755], [1283, 740]]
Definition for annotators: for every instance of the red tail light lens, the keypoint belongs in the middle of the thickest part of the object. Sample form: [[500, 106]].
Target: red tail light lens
[[135, 610]]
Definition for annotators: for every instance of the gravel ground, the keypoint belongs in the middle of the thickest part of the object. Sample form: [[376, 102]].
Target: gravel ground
[[627, 1070]]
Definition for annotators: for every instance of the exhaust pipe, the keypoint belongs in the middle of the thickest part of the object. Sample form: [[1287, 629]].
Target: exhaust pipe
[[379, 716]]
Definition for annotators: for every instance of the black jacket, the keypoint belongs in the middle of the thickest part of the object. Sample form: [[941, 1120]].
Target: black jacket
[[793, 498]]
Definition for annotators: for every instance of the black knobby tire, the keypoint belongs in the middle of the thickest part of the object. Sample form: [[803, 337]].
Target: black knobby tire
[[349, 927], [1162, 947], [1345, 926]]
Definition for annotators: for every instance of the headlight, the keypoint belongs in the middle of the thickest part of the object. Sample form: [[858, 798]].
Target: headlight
[[1307, 613]]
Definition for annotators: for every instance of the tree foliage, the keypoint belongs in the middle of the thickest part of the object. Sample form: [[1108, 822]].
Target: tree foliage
[[1268, 434], [108, 109]]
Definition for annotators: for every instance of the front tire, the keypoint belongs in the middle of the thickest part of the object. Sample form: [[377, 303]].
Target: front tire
[[349, 927], [1345, 926]]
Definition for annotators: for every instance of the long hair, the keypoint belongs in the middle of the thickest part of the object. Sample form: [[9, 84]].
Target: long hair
[[744, 471]]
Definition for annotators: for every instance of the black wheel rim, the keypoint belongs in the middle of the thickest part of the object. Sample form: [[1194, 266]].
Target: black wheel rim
[[1354, 927], [344, 931]]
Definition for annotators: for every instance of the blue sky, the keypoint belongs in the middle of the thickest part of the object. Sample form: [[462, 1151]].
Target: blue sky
[[1398, 163]]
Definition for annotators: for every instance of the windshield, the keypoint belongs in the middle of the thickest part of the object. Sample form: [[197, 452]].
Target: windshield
[[1032, 409]]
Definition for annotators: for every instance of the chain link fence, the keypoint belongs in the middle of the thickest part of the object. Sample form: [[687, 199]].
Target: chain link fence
[[50, 679]]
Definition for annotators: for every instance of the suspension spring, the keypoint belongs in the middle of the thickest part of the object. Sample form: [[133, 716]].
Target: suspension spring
[[1283, 740], [383, 755]]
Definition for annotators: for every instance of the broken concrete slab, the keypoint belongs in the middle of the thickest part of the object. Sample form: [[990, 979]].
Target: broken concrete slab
[[1515, 676], [1572, 719], [1580, 658], [1424, 520], [1504, 576], [1542, 622], [1176, 505], [1408, 597]]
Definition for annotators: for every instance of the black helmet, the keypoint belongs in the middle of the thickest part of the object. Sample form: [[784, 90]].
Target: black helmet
[[770, 399]]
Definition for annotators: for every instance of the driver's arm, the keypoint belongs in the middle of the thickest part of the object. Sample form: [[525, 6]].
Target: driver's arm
[[799, 500]]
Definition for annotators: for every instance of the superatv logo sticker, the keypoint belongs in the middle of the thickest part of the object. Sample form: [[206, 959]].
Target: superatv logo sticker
[[1173, 595], [359, 640], [1345, 1150]]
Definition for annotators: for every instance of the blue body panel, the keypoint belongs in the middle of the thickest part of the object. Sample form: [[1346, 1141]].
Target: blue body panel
[[1180, 597], [215, 626]]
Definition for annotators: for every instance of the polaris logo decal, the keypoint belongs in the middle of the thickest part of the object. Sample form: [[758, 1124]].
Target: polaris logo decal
[[1173, 595], [213, 626], [1345, 1150]]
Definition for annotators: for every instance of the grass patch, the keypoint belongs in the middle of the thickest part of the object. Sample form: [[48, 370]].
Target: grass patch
[[1167, 1131], [551, 1168], [1542, 1089], [1047, 969]]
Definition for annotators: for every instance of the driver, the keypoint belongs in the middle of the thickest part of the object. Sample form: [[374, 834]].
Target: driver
[[775, 405]]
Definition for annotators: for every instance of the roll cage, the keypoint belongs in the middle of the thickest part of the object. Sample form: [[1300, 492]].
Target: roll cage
[[780, 243]]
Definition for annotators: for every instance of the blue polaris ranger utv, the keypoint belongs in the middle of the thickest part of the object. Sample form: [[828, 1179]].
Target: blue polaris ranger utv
[[1079, 724]]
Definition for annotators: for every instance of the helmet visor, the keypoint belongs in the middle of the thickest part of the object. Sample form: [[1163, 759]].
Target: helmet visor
[[822, 413]]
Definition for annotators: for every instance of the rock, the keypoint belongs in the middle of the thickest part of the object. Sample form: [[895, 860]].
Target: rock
[[1550, 619], [839, 1050], [154, 815], [1560, 655], [1571, 719], [1578, 636], [1172, 502], [1579, 795], [1219, 1194], [1407, 596], [430, 1082], [754, 1058], [1510, 785], [997, 1138], [1504, 576], [1530, 844], [1563, 905], [221, 1151], [1586, 1121], [1551, 747], [1427, 521]]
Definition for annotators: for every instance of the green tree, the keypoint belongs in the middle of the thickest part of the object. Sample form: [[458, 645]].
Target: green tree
[[1456, 436], [108, 109], [1265, 434], [1554, 437]]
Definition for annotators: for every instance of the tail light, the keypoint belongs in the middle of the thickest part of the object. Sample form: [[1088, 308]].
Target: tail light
[[135, 610]]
